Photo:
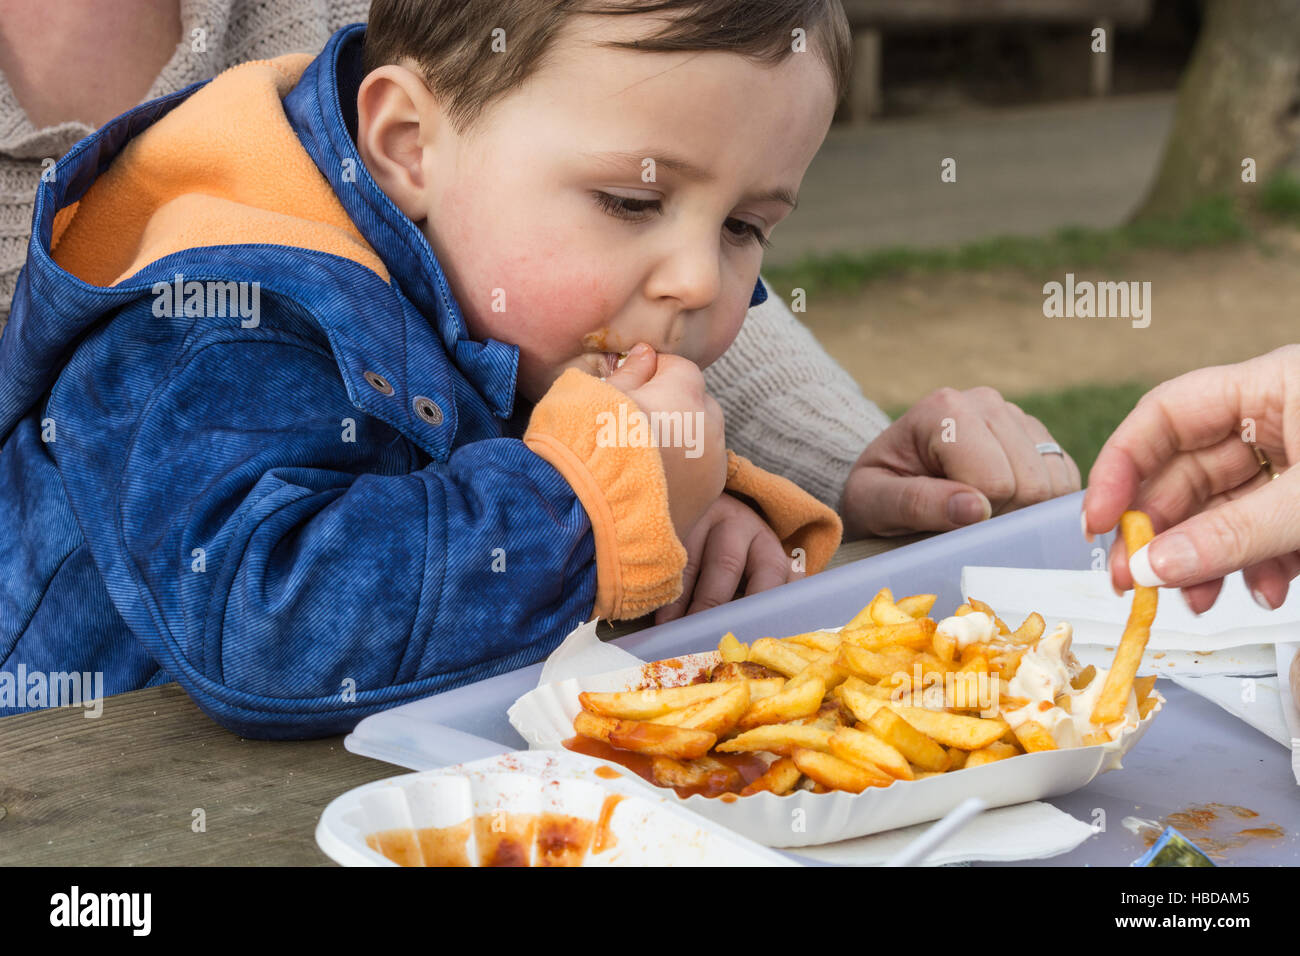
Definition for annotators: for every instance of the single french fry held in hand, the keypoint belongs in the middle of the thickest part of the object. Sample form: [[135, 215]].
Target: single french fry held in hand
[[1135, 526]]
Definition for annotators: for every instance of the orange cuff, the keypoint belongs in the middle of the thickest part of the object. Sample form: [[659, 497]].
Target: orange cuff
[[639, 561], [799, 519]]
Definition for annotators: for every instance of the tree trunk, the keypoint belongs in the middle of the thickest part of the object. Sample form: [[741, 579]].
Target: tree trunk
[[1239, 99]]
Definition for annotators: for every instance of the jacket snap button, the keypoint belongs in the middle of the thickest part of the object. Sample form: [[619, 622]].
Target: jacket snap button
[[379, 383], [427, 409]]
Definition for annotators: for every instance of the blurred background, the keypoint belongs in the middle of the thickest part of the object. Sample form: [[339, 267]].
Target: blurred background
[[1118, 140]]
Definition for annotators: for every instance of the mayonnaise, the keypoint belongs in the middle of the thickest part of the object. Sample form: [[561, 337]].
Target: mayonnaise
[[1044, 675], [974, 628]]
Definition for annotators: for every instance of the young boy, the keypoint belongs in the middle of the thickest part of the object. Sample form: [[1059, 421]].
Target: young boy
[[309, 399]]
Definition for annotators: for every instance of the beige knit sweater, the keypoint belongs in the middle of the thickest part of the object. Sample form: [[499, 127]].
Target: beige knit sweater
[[790, 408]]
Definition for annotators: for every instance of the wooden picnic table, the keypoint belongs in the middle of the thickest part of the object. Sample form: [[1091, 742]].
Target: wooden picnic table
[[131, 786]]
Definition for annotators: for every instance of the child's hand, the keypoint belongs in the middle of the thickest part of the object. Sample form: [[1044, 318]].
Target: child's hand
[[730, 542], [669, 383]]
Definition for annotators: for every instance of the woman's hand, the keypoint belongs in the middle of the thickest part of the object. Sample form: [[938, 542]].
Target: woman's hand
[[729, 543], [1184, 456], [950, 460]]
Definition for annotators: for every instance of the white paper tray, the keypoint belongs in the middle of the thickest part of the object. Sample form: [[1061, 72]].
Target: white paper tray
[[646, 829], [544, 717]]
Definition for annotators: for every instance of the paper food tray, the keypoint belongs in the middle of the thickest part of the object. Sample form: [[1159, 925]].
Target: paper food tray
[[544, 717], [507, 807]]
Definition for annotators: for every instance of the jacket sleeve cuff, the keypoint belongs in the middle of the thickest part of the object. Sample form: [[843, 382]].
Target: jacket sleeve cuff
[[639, 561], [799, 519]]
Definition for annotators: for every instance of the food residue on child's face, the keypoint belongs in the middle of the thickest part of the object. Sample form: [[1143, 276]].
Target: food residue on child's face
[[535, 261]]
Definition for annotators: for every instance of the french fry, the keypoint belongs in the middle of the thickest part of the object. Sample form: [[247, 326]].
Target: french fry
[[873, 665], [867, 750], [651, 703], [1136, 528], [1142, 687], [966, 733], [1147, 706], [1093, 739], [790, 704], [860, 699], [818, 640], [779, 739], [646, 738], [703, 773], [732, 650], [998, 750], [917, 605], [980, 606], [780, 778], [823, 669], [945, 646], [1034, 737], [883, 610], [777, 655], [907, 740], [958, 758], [1084, 677], [1030, 631], [863, 617], [717, 715], [837, 774], [917, 635]]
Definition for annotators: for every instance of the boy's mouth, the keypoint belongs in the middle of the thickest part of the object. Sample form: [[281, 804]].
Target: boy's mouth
[[610, 361]]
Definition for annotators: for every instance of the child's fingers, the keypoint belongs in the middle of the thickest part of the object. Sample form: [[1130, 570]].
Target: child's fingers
[[694, 545], [638, 369], [769, 566]]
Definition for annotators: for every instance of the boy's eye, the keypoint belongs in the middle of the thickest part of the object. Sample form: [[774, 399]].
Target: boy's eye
[[624, 207]]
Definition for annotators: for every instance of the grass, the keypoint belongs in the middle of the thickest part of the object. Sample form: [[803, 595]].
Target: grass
[[1280, 199], [1214, 221], [1080, 418]]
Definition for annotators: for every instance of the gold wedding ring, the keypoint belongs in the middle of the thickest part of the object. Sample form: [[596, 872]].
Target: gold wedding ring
[[1265, 463]]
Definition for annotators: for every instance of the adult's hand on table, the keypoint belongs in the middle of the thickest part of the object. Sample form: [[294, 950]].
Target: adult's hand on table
[[1183, 456], [730, 542], [952, 459]]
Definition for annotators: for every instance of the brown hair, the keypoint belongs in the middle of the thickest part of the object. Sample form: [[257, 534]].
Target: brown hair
[[451, 40]]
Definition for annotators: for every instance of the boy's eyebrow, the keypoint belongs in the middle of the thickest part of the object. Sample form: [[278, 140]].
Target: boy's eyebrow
[[686, 169]]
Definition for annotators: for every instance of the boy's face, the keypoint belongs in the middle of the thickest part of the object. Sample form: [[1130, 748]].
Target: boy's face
[[513, 208]]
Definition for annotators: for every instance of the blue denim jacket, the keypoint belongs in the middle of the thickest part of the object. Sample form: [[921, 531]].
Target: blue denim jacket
[[176, 502]]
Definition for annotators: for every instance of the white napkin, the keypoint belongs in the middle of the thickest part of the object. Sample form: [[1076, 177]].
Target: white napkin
[[1027, 831], [1254, 700], [1085, 599], [1290, 706], [582, 654]]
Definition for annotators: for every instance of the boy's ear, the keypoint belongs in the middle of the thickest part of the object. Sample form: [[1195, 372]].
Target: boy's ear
[[394, 112]]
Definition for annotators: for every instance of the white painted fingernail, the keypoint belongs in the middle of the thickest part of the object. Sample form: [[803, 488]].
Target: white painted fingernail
[[1140, 567], [1083, 526], [1262, 601]]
